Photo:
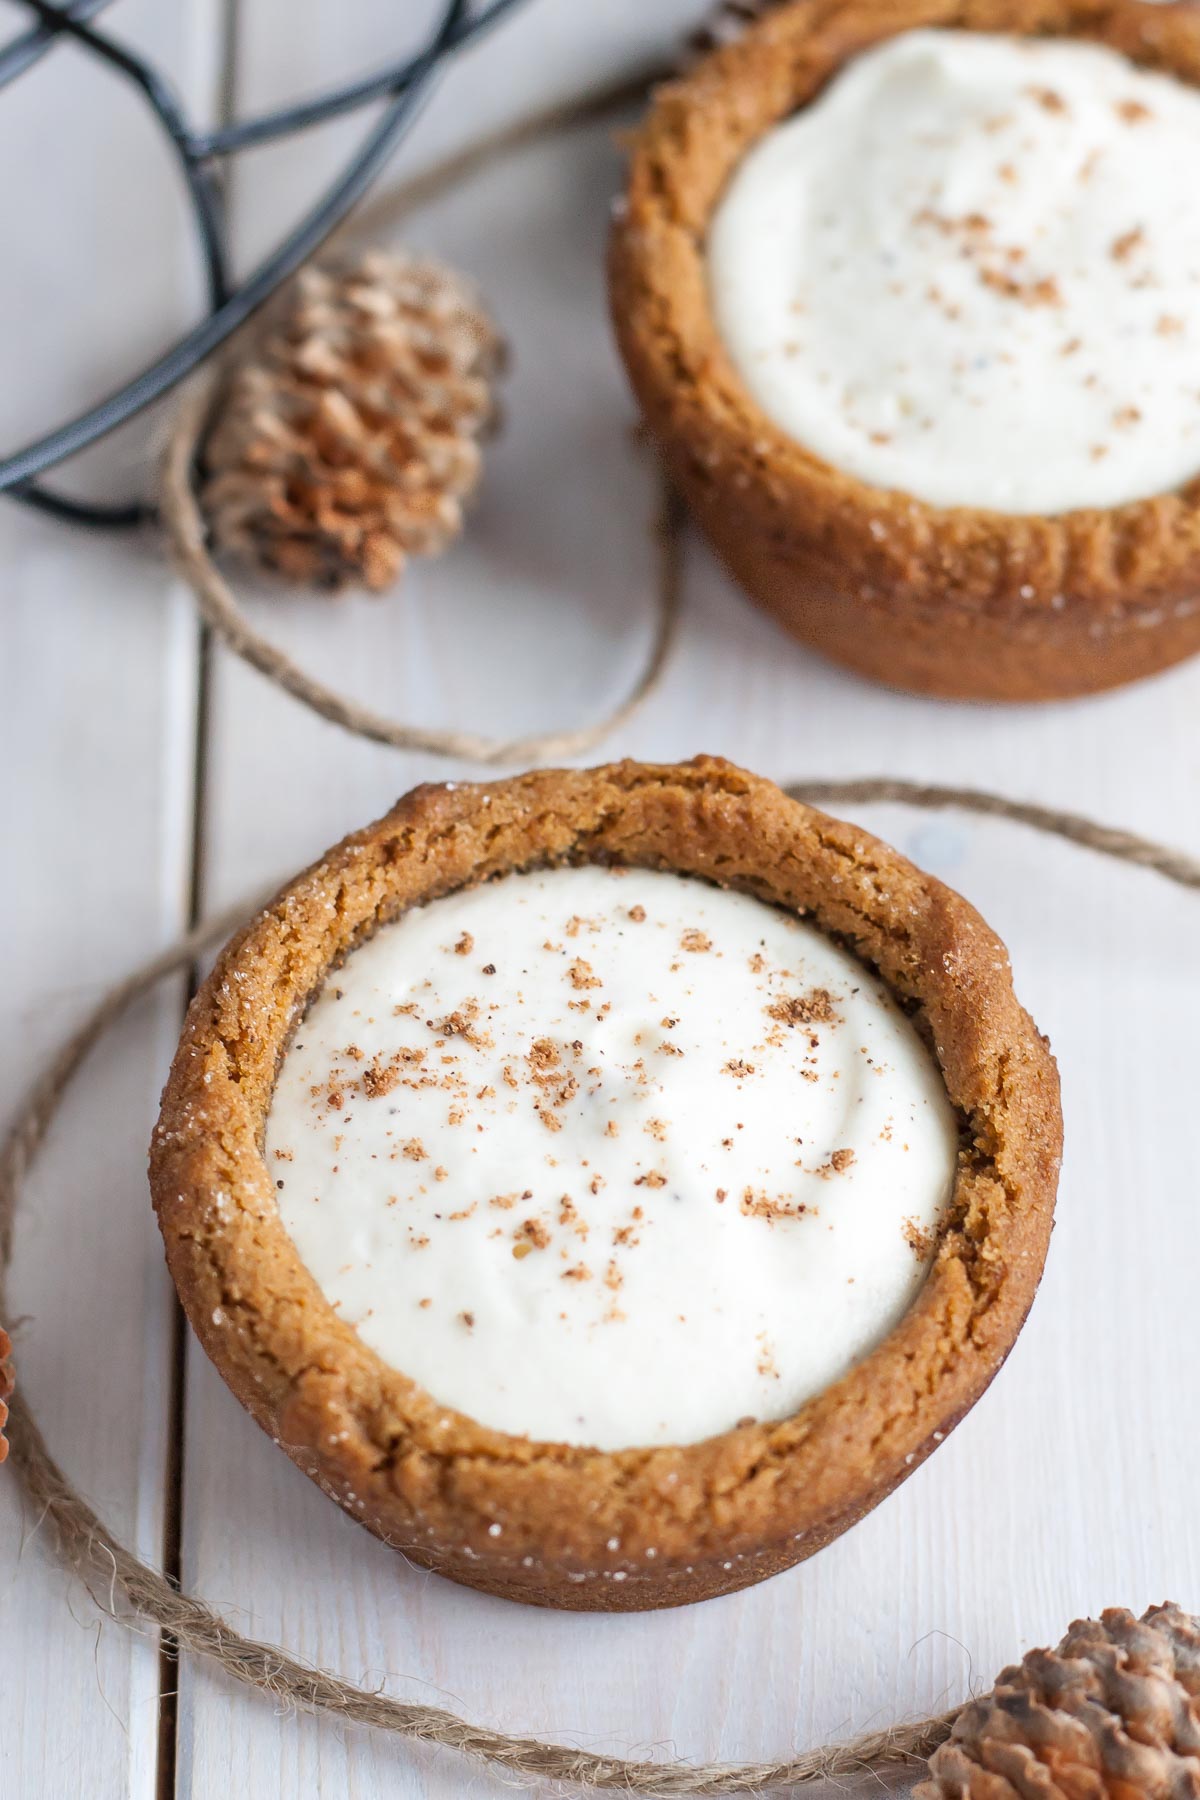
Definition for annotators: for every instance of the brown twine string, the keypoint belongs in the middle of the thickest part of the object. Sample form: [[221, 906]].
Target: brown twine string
[[1123, 846], [114, 1574], [588, 108], [187, 534]]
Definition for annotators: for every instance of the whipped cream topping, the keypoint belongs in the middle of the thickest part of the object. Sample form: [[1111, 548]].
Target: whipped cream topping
[[611, 1157], [970, 270]]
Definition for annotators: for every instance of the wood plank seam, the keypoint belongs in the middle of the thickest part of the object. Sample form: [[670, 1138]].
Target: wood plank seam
[[195, 800]]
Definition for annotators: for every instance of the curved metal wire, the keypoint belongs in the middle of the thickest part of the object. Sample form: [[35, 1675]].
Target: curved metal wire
[[30, 46], [316, 111], [198, 170], [403, 84]]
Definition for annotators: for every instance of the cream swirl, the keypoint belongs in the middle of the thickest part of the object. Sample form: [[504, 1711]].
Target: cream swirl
[[970, 271], [611, 1158]]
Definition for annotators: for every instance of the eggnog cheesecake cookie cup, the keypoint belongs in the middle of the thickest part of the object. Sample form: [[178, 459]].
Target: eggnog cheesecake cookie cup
[[608, 1185], [909, 294]]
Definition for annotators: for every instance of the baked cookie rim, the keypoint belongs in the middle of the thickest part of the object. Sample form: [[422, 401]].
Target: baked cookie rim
[[1128, 563], [430, 1479]]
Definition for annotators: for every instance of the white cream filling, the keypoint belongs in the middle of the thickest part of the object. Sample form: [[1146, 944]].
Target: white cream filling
[[971, 271], [611, 1158]]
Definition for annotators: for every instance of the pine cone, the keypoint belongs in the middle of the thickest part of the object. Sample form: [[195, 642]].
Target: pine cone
[[1112, 1714], [348, 439], [6, 1387]]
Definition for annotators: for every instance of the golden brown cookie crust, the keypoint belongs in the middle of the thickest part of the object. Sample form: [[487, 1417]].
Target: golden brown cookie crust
[[945, 600], [582, 1528]]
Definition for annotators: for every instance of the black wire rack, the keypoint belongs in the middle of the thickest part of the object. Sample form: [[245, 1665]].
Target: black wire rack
[[200, 156]]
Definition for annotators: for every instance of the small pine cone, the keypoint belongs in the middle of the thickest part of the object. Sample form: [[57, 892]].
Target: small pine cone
[[348, 438], [6, 1387], [1112, 1714]]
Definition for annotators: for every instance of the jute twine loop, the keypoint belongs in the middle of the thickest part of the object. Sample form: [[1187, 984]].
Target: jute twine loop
[[125, 1587], [1122, 846], [187, 536]]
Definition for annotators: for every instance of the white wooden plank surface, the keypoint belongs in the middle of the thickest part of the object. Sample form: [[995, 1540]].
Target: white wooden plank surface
[[97, 684], [1056, 1497], [1069, 1486]]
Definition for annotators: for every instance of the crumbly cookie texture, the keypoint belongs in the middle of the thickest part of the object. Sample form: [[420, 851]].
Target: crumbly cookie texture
[[952, 600], [566, 1525]]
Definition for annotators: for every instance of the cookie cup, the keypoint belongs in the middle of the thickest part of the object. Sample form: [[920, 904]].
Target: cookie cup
[[549, 1523], [954, 601]]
